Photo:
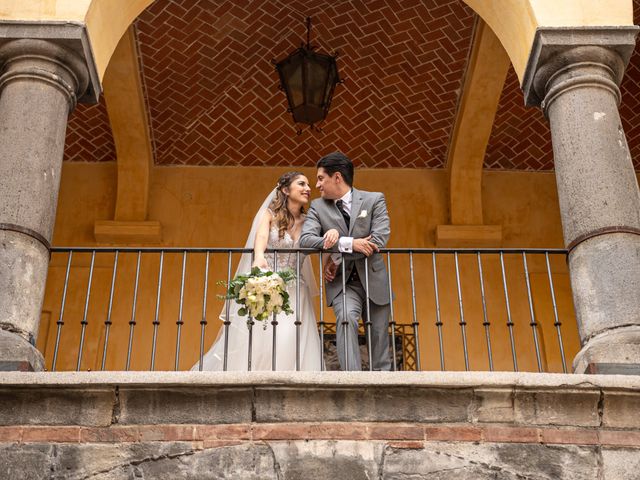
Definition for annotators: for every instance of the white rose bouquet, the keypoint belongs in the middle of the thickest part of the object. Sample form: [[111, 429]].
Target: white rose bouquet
[[261, 293]]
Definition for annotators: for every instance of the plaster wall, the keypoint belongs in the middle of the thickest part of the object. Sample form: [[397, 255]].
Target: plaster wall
[[213, 207]]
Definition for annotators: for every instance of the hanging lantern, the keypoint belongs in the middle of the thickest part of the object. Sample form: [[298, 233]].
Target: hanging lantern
[[308, 79]]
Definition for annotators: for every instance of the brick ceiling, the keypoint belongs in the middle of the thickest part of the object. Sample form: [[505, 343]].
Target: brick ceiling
[[213, 99]]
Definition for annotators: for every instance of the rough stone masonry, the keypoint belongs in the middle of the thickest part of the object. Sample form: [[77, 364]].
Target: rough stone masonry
[[325, 425]]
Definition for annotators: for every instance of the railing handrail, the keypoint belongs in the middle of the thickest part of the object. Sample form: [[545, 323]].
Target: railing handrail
[[302, 250]]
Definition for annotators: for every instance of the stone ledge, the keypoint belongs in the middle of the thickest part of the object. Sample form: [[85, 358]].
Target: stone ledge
[[532, 401], [476, 380]]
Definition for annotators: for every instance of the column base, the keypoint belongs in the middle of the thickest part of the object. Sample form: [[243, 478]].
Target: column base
[[613, 352], [16, 354]]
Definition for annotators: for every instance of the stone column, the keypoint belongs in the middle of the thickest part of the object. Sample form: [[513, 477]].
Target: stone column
[[40, 81], [574, 75]]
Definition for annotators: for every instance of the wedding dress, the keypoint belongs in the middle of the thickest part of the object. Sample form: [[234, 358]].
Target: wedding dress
[[310, 350]]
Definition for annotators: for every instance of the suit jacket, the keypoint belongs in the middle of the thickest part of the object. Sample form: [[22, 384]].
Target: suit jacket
[[368, 217]]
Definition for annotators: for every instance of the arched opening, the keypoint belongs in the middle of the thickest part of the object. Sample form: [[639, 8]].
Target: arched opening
[[213, 103]]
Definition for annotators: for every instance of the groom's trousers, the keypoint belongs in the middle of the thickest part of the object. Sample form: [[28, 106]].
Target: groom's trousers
[[356, 309]]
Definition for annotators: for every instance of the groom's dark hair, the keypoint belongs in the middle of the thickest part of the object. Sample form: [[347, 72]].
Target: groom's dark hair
[[337, 162]]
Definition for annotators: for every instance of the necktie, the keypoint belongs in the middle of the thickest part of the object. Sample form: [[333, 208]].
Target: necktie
[[345, 215]]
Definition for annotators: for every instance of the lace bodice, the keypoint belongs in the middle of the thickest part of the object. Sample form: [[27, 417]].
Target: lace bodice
[[285, 259]]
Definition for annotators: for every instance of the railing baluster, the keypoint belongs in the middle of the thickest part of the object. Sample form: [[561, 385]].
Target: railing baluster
[[132, 322], [463, 323], [533, 323], [367, 324], [556, 323], [415, 312], [392, 320], [250, 324], [298, 304], [321, 283], [274, 323], [107, 323], [345, 319], [509, 321], [227, 322], [203, 322], [180, 321], [60, 322], [486, 322], [438, 318], [85, 322], [156, 321]]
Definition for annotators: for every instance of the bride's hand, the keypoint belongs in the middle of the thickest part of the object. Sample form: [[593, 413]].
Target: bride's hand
[[261, 262], [330, 238]]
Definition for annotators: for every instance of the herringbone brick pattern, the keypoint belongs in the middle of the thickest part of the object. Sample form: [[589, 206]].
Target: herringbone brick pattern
[[213, 92], [520, 139], [213, 98], [89, 137]]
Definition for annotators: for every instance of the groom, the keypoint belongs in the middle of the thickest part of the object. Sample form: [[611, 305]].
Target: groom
[[359, 222]]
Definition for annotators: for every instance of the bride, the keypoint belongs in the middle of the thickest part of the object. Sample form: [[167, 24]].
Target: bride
[[277, 225]]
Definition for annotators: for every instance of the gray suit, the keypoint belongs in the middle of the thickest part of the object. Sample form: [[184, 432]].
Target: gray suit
[[368, 217]]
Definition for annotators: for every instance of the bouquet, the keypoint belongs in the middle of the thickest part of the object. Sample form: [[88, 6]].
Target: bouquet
[[260, 293]]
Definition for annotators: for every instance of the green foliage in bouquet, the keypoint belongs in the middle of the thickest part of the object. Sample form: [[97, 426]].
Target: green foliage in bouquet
[[261, 293]]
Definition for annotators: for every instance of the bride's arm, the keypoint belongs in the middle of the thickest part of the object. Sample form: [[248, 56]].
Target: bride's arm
[[260, 243]]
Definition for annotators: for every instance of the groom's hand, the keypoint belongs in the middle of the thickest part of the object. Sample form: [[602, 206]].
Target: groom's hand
[[365, 246], [330, 270]]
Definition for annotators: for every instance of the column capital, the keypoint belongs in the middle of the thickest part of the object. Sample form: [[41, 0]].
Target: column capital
[[602, 53], [65, 43]]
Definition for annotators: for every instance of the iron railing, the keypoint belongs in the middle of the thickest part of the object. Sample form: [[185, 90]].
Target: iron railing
[[490, 289]]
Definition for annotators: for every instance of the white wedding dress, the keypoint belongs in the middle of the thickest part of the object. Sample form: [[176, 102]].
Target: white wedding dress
[[285, 331]]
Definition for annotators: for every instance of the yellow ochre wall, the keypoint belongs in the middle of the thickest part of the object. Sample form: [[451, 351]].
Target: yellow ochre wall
[[213, 207]]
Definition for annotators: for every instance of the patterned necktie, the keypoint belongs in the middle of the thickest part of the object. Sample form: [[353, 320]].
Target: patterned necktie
[[345, 215]]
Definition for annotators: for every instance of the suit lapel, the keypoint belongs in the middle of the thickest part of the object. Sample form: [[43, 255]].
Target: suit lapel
[[356, 203]]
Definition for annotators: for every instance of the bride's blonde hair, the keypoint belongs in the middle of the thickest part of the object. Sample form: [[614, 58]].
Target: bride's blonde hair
[[281, 214]]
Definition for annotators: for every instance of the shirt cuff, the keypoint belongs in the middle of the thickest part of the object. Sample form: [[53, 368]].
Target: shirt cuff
[[345, 244]]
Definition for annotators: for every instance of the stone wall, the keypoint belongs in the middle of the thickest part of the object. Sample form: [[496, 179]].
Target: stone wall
[[322, 425]]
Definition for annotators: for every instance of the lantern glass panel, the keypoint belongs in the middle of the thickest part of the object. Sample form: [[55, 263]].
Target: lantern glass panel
[[332, 79], [292, 78], [316, 79]]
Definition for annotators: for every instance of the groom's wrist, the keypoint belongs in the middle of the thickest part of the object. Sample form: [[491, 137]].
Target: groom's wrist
[[345, 244]]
